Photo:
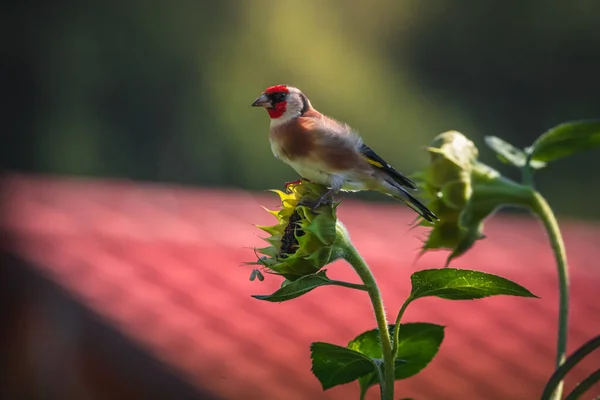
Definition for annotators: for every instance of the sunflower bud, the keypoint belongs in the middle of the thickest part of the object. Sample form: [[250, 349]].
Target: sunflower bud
[[452, 156], [462, 193], [304, 240]]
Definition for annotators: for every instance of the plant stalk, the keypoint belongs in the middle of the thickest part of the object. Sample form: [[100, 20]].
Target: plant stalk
[[544, 212], [527, 175], [362, 269], [397, 327], [356, 286], [583, 387], [574, 359]]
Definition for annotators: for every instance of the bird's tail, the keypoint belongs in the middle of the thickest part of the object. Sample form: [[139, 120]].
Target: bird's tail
[[403, 195]]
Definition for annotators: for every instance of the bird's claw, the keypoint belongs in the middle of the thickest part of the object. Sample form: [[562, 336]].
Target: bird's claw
[[313, 205]]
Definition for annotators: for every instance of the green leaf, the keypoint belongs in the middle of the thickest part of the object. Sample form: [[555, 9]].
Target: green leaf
[[417, 345], [461, 284], [506, 151], [297, 288], [335, 365], [509, 154], [566, 139]]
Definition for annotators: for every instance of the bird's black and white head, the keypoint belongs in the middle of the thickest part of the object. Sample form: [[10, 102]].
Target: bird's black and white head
[[283, 103]]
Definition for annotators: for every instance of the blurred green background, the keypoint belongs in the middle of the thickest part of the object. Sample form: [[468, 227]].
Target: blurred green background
[[161, 90]]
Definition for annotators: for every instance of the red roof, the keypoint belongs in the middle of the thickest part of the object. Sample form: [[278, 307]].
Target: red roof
[[162, 264]]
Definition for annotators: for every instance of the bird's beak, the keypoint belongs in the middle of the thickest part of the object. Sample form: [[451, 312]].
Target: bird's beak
[[262, 101]]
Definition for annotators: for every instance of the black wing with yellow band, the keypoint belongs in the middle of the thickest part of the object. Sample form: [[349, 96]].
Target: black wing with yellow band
[[372, 158]]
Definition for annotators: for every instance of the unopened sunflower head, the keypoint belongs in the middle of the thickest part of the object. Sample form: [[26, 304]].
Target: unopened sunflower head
[[302, 241], [457, 186]]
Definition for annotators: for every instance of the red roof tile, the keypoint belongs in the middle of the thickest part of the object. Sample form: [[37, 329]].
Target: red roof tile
[[163, 265]]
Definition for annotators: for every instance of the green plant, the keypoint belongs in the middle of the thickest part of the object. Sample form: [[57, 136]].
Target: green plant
[[463, 192]]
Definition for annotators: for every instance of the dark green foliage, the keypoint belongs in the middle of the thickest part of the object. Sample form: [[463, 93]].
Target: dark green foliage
[[417, 345], [460, 284], [566, 139]]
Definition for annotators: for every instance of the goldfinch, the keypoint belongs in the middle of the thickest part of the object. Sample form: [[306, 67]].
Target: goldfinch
[[329, 152]]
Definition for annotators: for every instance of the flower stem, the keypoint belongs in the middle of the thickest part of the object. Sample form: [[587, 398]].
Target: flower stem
[[584, 385], [397, 327], [544, 212], [527, 175], [574, 359], [356, 286], [362, 269]]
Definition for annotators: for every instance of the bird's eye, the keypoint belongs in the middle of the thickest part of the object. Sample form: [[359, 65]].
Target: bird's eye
[[279, 96]]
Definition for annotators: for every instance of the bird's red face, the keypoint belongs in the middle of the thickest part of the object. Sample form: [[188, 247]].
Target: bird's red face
[[274, 100]]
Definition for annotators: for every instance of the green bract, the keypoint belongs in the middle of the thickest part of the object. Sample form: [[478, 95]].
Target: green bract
[[303, 241]]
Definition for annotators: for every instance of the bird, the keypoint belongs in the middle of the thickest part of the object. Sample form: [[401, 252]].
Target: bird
[[328, 152]]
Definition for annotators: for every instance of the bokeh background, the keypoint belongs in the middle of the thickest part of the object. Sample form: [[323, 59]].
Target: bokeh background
[[118, 287], [161, 90]]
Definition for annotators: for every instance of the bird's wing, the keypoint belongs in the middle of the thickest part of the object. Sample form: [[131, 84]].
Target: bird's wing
[[377, 162]]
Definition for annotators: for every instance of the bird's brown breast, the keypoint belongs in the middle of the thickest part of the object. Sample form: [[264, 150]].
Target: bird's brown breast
[[292, 140]]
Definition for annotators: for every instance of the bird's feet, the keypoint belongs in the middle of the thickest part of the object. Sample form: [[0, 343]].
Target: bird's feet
[[326, 198]]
